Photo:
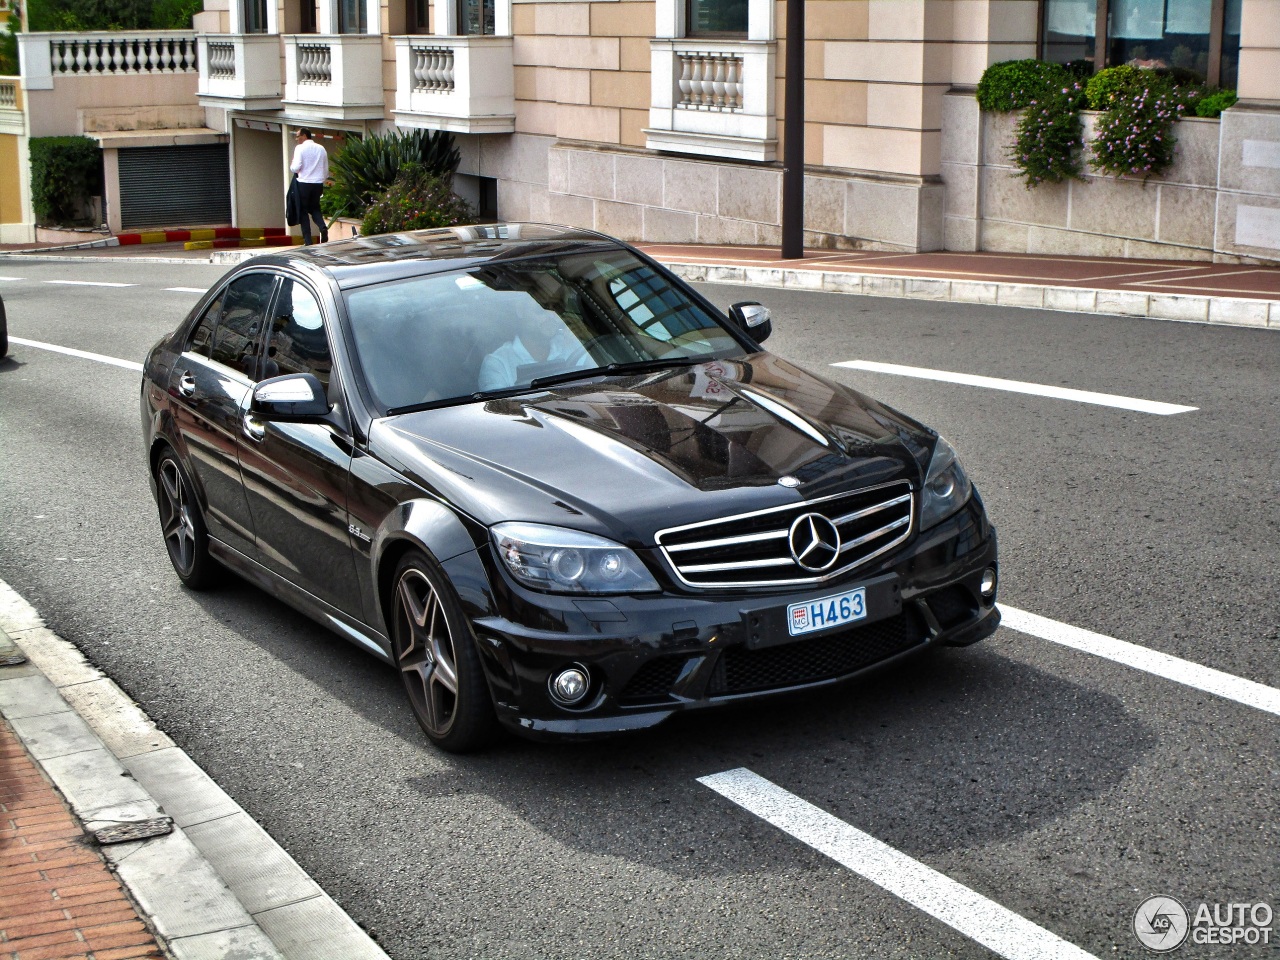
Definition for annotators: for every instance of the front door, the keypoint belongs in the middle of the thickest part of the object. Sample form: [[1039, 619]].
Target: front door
[[296, 474]]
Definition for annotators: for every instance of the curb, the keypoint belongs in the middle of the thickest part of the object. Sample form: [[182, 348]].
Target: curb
[[1227, 311], [1185, 308], [216, 887]]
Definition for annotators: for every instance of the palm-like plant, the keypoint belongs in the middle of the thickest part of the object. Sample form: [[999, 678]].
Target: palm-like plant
[[364, 169]]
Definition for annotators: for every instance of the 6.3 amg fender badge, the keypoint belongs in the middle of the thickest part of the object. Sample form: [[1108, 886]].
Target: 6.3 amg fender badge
[[358, 533]]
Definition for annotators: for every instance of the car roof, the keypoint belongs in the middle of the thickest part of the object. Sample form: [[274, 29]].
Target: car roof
[[392, 256]]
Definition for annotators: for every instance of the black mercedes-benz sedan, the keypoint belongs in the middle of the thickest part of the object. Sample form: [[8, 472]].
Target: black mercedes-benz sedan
[[550, 483]]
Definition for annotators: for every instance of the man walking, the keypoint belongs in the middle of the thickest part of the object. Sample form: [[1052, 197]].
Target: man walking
[[311, 164]]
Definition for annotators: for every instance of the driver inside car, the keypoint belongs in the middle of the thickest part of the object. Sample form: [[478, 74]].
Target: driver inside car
[[541, 340]]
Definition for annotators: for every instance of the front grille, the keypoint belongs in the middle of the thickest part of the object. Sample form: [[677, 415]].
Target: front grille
[[654, 680], [741, 670], [754, 549]]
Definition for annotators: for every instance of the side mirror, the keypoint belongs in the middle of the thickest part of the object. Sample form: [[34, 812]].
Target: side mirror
[[295, 396], [752, 318]]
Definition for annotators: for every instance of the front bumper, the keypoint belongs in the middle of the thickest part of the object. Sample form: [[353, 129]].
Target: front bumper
[[651, 656]]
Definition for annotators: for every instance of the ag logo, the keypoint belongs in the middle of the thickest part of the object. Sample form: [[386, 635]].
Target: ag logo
[[1161, 924]]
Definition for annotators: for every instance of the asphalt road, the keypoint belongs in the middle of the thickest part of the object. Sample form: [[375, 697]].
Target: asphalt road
[[1064, 787]]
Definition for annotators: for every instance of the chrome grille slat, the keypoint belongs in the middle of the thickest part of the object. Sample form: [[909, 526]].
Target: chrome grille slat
[[753, 549], [741, 565], [874, 534], [730, 541], [859, 514]]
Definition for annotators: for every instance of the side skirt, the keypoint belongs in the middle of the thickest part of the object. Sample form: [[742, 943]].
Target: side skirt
[[361, 634]]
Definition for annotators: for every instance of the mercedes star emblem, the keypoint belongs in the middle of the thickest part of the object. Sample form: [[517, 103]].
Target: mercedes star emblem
[[814, 541]]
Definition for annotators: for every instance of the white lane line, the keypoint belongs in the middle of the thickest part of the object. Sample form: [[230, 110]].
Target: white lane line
[[185, 289], [995, 927], [10, 279], [1226, 685], [83, 354], [1019, 386], [90, 283]]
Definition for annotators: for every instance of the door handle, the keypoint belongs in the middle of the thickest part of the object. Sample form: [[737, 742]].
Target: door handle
[[253, 428], [187, 385]]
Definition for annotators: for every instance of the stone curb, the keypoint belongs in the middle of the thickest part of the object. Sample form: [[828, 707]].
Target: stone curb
[[1186, 308], [216, 887], [1229, 311]]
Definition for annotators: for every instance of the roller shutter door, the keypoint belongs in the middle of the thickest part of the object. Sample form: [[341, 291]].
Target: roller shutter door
[[174, 186]]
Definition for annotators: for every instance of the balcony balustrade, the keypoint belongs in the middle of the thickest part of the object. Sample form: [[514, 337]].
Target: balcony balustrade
[[47, 57], [463, 84], [714, 98], [240, 71], [334, 76]]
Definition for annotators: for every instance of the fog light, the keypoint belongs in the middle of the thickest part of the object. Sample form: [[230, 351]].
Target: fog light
[[988, 586], [570, 685]]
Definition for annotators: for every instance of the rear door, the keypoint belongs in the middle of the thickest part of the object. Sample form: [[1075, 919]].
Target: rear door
[[209, 384]]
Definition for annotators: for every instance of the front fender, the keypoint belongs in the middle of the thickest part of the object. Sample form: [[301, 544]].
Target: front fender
[[425, 524]]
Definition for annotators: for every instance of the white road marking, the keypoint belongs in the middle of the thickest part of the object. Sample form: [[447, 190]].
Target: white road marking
[[1019, 386], [1226, 685], [83, 354], [10, 279], [185, 289], [995, 927], [90, 283]]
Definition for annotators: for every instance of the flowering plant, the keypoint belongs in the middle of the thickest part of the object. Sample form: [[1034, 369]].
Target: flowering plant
[[417, 200], [1047, 141], [1134, 136]]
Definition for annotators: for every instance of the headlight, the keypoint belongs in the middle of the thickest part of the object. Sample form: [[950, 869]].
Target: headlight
[[569, 561], [946, 487]]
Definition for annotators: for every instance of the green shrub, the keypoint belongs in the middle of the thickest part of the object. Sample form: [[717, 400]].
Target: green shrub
[[1014, 84], [363, 170], [417, 200], [9, 48], [1105, 85], [65, 173], [1048, 138], [174, 14], [89, 14], [1212, 104], [1134, 136]]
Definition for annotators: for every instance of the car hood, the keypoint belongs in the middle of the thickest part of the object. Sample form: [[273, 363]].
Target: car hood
[[628, 456]]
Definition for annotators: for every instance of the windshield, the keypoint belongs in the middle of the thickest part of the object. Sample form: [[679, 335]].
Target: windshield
[[505, 325]]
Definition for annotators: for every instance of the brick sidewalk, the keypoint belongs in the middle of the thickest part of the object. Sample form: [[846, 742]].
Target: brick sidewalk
[[57, 897]]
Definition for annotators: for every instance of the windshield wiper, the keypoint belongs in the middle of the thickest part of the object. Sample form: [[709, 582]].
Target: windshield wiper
[[631, 366]]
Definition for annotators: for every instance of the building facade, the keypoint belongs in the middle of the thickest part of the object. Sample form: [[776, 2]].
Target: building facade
[[661, 120]]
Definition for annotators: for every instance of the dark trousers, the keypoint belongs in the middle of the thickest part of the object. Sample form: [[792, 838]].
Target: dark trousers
[[309, 209]]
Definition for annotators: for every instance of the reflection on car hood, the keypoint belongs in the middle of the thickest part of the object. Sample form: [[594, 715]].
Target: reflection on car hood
[[627, 456]]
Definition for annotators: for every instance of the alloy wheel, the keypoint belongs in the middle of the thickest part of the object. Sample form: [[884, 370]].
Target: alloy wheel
[[175, 517], [427, 655]]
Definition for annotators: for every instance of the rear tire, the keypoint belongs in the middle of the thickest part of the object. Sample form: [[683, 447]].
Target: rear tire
[[437, 658], [182, 524], [4, 332]]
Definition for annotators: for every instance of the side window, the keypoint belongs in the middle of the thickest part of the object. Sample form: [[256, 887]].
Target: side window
[[202, 335], [298, 343], [244, 308]]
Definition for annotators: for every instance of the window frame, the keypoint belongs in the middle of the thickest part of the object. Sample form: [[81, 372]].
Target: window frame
[[1102, 40]]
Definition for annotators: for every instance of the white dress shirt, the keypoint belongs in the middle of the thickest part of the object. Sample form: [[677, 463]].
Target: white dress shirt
[[310, 162], [499, 368]]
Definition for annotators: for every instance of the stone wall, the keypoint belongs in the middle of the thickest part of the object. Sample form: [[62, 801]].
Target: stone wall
[[1220, 200], [643, 196]]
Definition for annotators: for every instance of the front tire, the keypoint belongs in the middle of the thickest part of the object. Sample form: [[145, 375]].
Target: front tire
[[437, 658], [182, 525]]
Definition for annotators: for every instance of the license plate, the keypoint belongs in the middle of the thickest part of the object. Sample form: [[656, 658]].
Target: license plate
[[827, 612]]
